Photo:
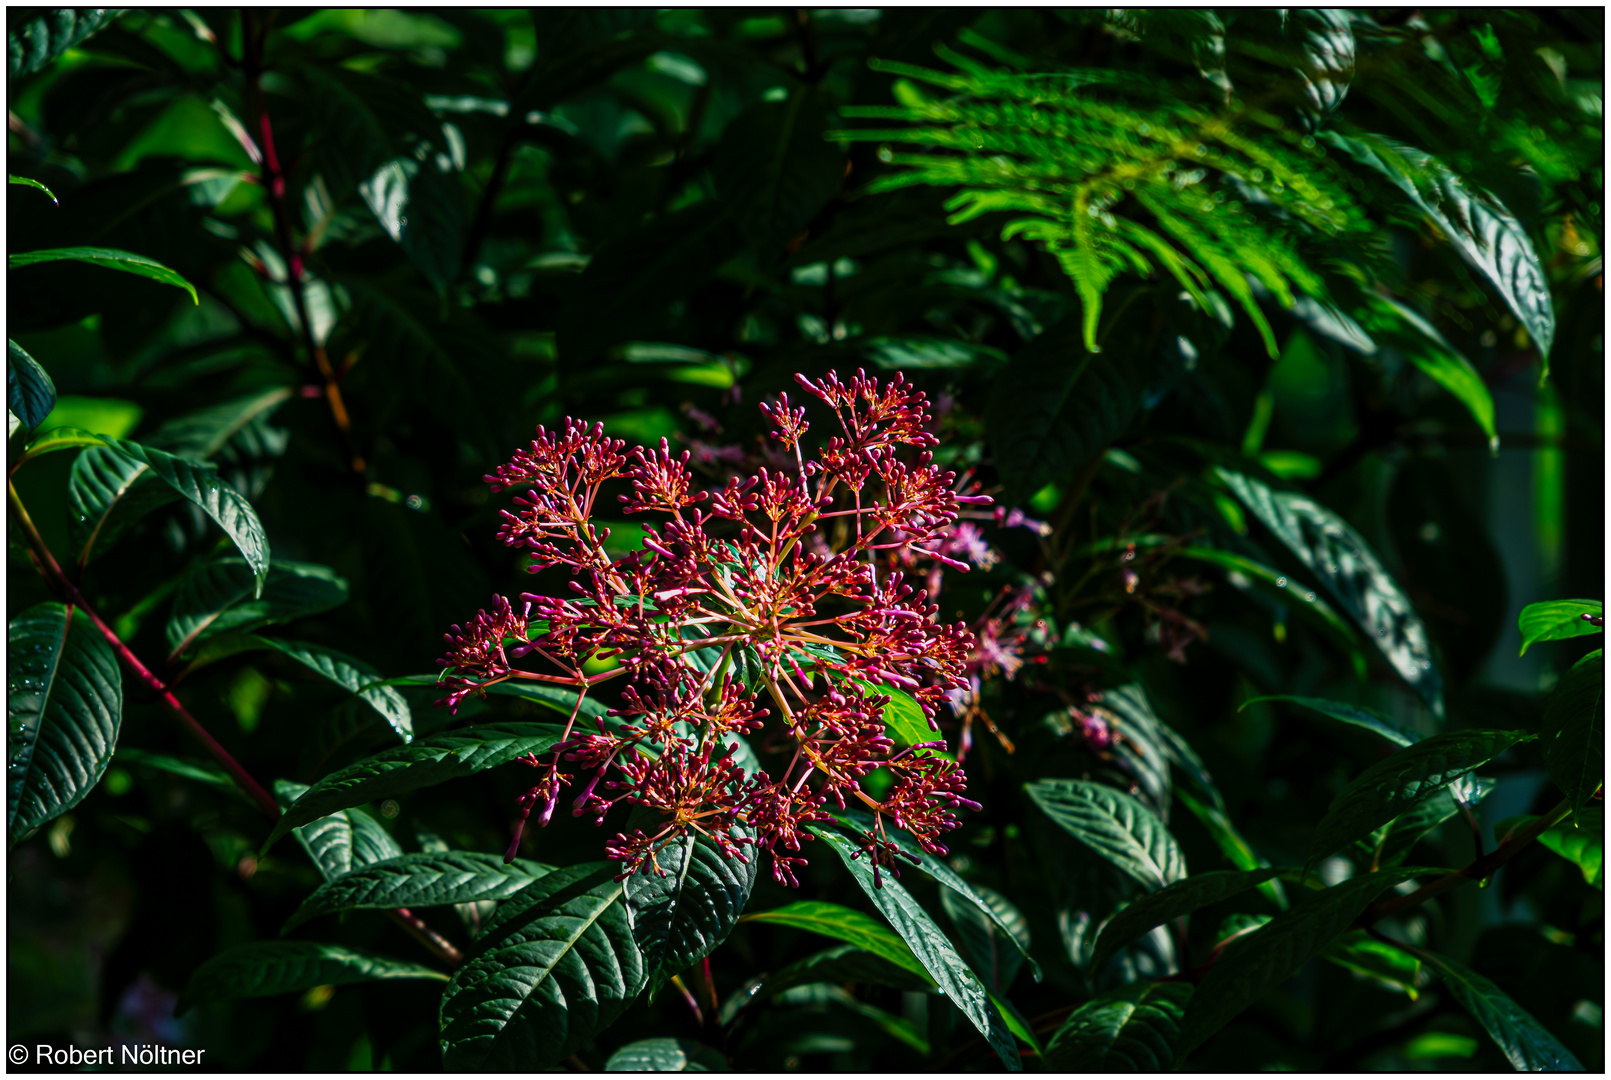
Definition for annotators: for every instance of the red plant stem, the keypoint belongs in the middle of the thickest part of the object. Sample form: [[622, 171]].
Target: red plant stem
[[260, 798], [273, 181]]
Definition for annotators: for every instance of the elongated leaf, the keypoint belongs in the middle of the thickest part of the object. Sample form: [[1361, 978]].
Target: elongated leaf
[[30, 394], [774, 168], [189, 769], [203, 434], [422, 763], [937, 868], [431, 879], [1527, 1043], [63, 438], [1214, 818], [937, 955], [1574, 730], [266, 968], [996, 955], [1325, 38], [1375, 959], [1581, 841], [354, 675], [1390, 844], [107, 493], [1128, 1030], [1556, 620], [840, 964], [680, 918], [843, 924], [1357, 715], [64, 704], [216, 597], [49, 32], [1486, 234], [27, 182], [1403, 328], [111, 259], [666, 1055], [341, 842], [1266, 957], [1341, 559], [1399, 782], [554, 697], [1167, 904], [1115, 826], [554, 966], [1275, 585]]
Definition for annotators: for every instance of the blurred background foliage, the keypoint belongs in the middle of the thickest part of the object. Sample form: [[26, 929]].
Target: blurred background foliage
[[501, 217]]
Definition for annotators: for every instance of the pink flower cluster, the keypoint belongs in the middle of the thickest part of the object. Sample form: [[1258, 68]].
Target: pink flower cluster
[[776, 596]]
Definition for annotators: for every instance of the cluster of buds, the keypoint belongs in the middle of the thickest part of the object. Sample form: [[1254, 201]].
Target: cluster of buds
[[776, 598]]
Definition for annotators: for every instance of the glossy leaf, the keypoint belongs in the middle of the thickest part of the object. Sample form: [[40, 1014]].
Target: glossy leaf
[[353, 675], [1115, 826], [1170, 903], [995, 954], [26, 182], [63, 438], [30, 393], [216, 597], [430, 879], [43, 34], [1008, 931], [1556, 620], [680, 918], [111, 259], [1392, 843], [937, 955], [774, 168], [1574, 730], [1326, 48], [107, 493], [64, 705], [267, 968], [1400, 781], [1581, 841], [903, 716], [1486, 234], [1347, 566], [1376, 959], [422, 763], [1266, 957], [340, 842], [666, 1055], [554, 966], [1128, 1030], [840, 964], [1527, 1043], [1403, 328], [843, 924], [1357, 715], [557, 698], [188, 768]]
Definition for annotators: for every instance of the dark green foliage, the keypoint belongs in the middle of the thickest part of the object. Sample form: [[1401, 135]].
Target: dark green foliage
[[1269, 331]]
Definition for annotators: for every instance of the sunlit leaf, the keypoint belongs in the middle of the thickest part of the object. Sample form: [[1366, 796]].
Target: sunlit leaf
[[1556, 620], [666, 1055], [678, 919], [1376, 959], [111, 259]]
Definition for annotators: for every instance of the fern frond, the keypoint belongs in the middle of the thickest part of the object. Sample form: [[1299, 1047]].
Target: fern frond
[[1107, 172]]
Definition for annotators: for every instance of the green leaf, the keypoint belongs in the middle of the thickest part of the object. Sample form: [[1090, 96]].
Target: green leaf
[[432, 879], [1398, 782], [107, 493], [995, 954], [26, 182], [1214, 818], [1170, 903], [666, 1055], [1275, 585], [354, 675], [840, 964], [1341, 559], [204, 433], [105, 478], [1486, 234], [903, 716], [266, 968], [843, 924], [48, 33], [1393, 842], [1115, 826], [111, 259], [680, 918], [30, 394], [1266, 957], [341, 842], [64, 704], [1356, 715], [553, 697], [937, 955], [1527, 1043], [189, 769], [1132, 1029], [1556, 620], [216, 597], [1581, 842], [1375, 959], [62, 438], [1402, 327], [775, 170], [421, 763], [1326, 48], [555, 965], [1574, 730]]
